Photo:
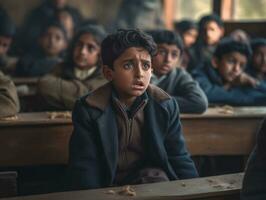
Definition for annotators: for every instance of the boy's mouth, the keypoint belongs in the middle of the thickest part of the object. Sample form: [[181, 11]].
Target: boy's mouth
[[138, 85]]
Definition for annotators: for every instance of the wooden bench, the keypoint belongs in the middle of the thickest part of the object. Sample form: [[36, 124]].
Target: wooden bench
[[35, 139], [225, 187]]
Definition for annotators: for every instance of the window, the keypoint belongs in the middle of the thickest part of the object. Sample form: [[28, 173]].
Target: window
[[192, 9], [249, 10]]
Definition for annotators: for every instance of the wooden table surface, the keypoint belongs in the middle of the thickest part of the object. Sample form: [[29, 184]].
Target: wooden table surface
[[35, 139], [210, 188]]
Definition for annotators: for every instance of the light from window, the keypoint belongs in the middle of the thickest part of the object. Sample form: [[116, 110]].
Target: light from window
[[250, 10], [192, 9]]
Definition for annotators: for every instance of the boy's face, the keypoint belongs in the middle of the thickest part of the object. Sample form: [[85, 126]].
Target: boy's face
[[230, 66], [212, 33], [53, 41], [5, 43], [86, 52], [166, 59], [259, 59], [190, 37], [131, 73]]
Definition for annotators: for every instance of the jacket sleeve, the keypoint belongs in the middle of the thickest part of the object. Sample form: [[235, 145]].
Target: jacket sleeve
[[84, 154], [192, 98], [254, 183], [178, 155], [9, 102], [60, 93]]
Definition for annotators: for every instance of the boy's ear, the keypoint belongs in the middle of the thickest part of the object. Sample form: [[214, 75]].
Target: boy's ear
[[222, 32], [214, 62], [108, 73]]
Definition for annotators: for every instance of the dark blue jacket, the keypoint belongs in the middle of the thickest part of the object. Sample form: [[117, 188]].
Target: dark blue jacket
[[93, 153], [212, 84]]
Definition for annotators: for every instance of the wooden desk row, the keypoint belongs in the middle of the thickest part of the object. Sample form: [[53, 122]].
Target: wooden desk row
[[225, 187], [35, 139]]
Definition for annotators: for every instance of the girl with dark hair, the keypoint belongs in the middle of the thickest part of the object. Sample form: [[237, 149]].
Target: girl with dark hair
[[79, 74]]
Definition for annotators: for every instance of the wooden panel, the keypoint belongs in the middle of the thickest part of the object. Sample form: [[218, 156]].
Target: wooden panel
[[34, 139], [253, 28], [220, 136], [211, 188]]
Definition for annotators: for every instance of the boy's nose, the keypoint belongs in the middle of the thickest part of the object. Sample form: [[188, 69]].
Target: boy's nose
[[139, 71]]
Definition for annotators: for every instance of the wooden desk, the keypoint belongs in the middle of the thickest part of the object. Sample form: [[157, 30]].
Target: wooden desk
[[25, 80], [215, 133], [34, 139], [226, 187]]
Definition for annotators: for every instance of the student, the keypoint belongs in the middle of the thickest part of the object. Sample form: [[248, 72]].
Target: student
[[223, 79], [188, 31], [9, 103], [66, 17], [79, 74], [257, 68], [127, 131], [173, 79], [211, 31], [254, 183], [52, 45], [7, 33], [37, 18]]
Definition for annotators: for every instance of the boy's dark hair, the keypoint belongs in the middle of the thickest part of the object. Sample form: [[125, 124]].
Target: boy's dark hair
[[7, 27], [115, 44], [54, 23], [167, 37], [229, 45], [96, 31], [258, 42], [185, 25]]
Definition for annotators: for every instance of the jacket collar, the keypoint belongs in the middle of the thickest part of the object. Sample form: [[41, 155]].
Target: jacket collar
[[100, 98]]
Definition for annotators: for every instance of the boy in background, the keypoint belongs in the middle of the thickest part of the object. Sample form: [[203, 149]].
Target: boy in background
[[224, 80], [173, 79], [7, 33]]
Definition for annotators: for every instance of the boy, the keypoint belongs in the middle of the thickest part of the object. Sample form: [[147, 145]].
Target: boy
[[7, 33], [9, 103], [127, 131], [172, 79], [257, 69], [188, 31], [223, 79], [52, 45], [37, 18], [211, 31]]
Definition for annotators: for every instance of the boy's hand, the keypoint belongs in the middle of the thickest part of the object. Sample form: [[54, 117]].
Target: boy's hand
[[246, 80]]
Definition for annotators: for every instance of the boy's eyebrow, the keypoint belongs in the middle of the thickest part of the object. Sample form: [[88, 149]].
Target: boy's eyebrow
[[131, 60]]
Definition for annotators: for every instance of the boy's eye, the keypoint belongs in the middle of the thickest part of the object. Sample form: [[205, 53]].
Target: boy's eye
[[91, 48], [175, 55], [146, 66], [162, 52], [128, 66], [231, 61]]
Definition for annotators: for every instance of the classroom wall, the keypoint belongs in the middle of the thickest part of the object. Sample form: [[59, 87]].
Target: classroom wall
[[103, 10]]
